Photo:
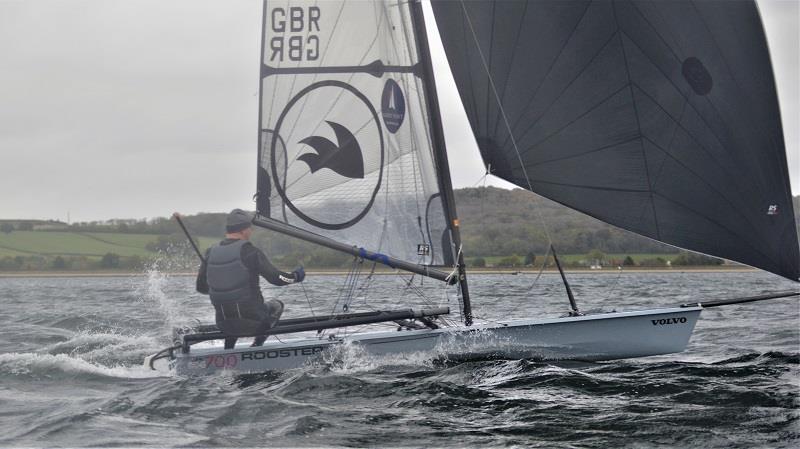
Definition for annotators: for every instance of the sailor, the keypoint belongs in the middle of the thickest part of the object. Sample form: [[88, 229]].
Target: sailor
[[230, 276]]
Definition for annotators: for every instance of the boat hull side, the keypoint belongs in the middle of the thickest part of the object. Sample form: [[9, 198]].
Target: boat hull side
[[592, 338]]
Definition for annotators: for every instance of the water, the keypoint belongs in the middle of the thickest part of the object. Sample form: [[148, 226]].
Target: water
[[71, 351]]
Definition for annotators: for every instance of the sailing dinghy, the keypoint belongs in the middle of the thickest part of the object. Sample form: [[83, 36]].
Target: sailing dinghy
[[660, 118]]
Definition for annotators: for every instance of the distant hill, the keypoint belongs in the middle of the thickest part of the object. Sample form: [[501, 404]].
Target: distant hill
[[497, 222], [498, 226]]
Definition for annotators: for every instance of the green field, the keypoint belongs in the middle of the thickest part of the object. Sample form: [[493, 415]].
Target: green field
[[27, 243], [73, 244], [573, 258], [94, 245], [30, 243]]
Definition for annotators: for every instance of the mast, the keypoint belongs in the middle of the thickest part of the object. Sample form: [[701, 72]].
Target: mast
[[440, 150], [259, 181]]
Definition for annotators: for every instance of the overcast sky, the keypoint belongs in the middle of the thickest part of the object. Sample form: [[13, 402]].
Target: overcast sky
[[134, 109]]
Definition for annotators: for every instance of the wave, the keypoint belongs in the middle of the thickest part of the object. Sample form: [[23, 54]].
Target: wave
[[59, 366]]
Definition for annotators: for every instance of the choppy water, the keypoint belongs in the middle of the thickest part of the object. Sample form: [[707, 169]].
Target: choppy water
[[71, 351]]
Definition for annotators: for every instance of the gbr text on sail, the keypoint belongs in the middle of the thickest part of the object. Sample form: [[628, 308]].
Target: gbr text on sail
[[294, 34]]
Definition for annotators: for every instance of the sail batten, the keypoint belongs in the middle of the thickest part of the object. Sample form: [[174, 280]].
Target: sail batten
[[657, 117]]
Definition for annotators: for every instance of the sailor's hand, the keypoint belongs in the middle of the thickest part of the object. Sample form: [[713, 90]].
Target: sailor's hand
[[299, 274]]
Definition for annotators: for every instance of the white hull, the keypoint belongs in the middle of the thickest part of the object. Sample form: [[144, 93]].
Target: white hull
[[606, 336]]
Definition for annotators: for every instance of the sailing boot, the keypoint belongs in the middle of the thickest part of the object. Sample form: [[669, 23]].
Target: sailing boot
[[274, 311]]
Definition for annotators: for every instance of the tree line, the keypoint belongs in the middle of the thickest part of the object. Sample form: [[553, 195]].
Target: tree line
[[499, 227]]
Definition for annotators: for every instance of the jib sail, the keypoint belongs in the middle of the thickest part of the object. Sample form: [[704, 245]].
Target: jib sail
[[657, 117], [345, 145]]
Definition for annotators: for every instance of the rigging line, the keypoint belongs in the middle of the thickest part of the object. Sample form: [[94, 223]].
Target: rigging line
[[446, 298], [541, 270], [643, 211], [468, 58], [353, 289], [482, 179], [410, 287], [366, 286], [505, 121], [350, 288], [343, 288], [308, 300], [614, 286]]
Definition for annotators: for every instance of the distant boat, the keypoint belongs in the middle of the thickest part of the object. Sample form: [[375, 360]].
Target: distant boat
[[657, 117]]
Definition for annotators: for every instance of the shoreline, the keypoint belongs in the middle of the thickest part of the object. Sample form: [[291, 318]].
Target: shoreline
[[488, 271]]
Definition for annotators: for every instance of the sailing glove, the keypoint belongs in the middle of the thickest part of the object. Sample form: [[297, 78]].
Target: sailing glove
[[299, 274]]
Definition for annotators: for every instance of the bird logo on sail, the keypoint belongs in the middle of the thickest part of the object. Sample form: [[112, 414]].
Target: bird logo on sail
[[335, 148], [343, 157]]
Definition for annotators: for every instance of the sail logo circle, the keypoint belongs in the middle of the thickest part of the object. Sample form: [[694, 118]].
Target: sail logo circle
[[696, 74], [393, 106], [331, 168]]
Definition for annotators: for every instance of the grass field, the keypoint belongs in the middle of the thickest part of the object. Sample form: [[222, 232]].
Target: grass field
[[73, 244], [571, 258], [95, 245], [30, 243]]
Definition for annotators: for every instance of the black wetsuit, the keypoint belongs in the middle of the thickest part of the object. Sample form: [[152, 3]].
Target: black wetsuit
[[254, 308]]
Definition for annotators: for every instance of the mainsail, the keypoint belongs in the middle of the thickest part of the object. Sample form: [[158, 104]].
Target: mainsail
[[345, 144], [657, 117]]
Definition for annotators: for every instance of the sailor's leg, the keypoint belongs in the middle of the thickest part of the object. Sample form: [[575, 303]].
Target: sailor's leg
[[230, 342], [274, 310]]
